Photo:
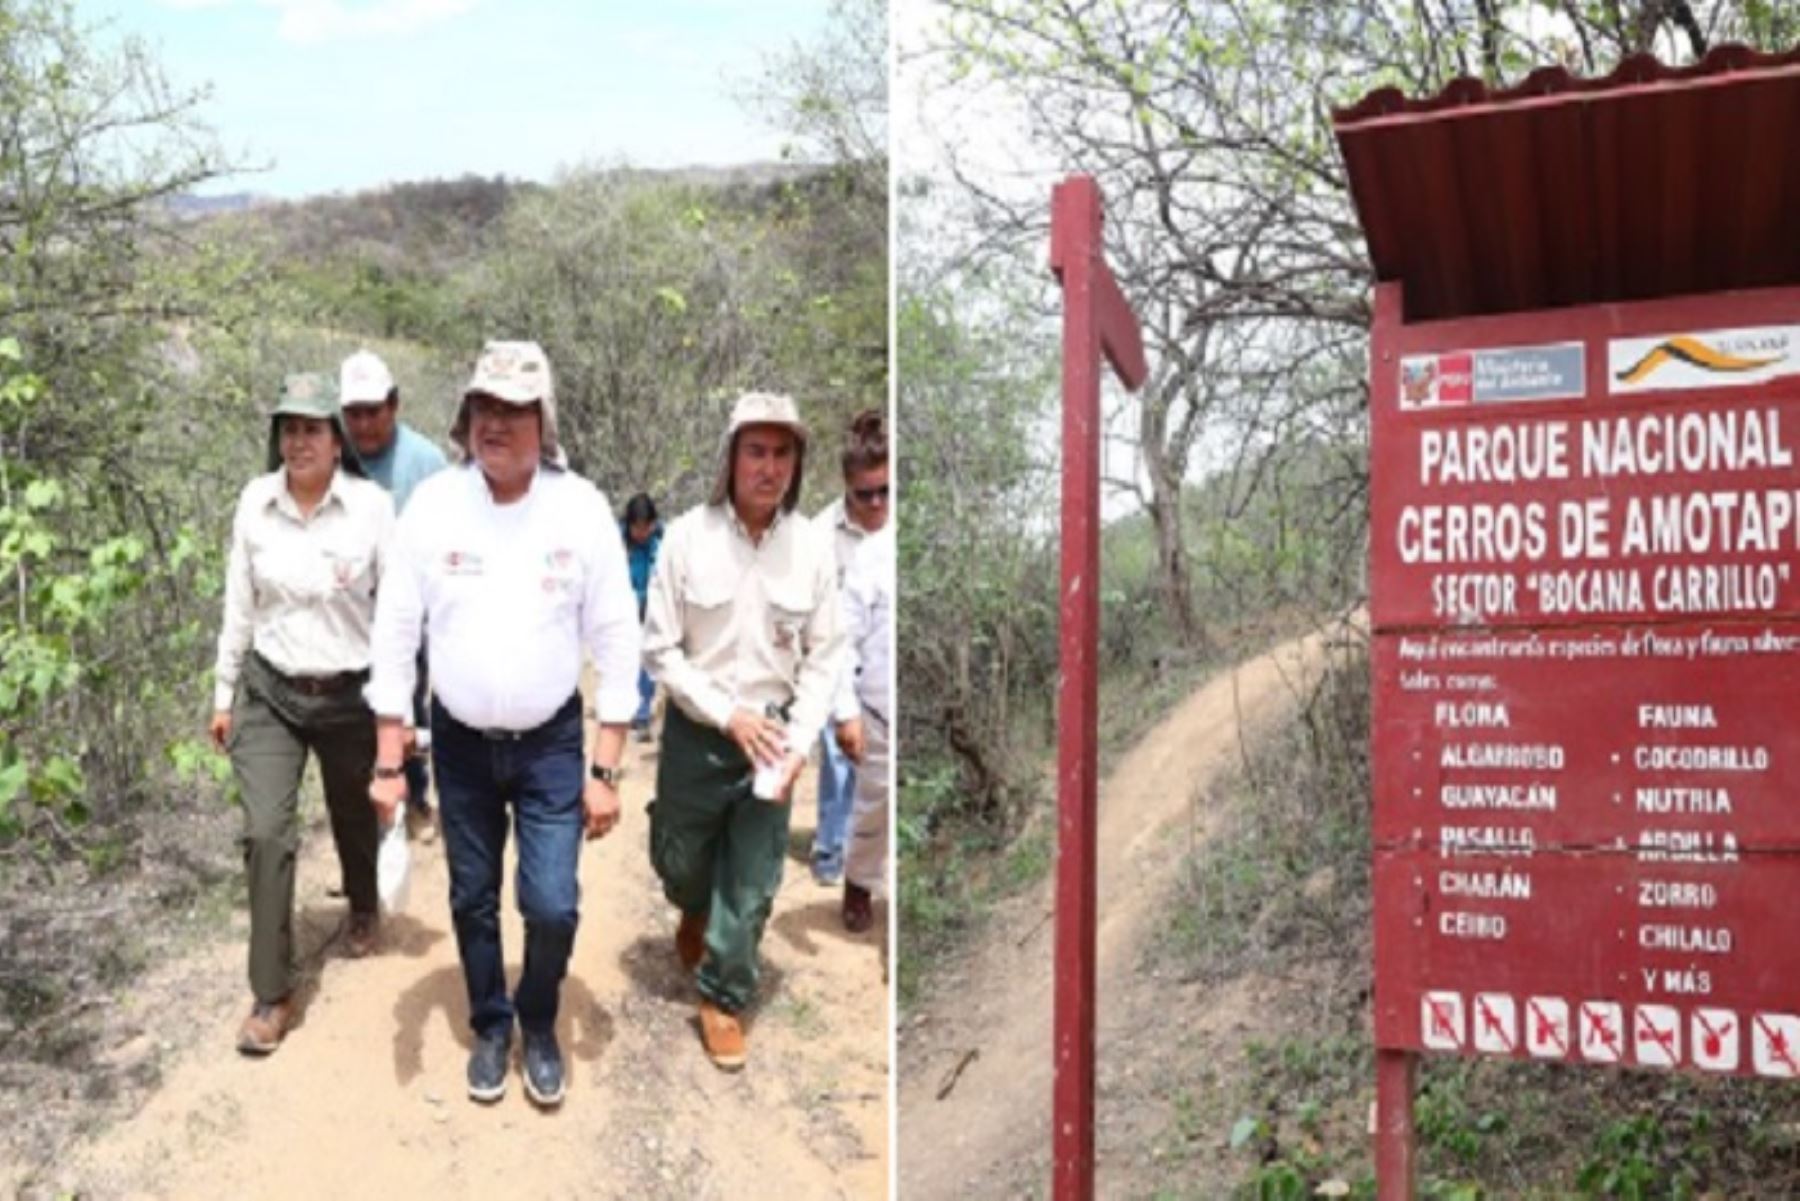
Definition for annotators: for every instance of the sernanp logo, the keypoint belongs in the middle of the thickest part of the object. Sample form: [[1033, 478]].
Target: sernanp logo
[[1685, 348]]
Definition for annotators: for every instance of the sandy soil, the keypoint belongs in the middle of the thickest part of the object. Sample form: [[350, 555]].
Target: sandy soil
[[366, 1097], [984, 1031]]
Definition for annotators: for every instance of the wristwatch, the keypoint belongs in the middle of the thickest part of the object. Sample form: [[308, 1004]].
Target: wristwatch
[[606, 775], [388, 773]]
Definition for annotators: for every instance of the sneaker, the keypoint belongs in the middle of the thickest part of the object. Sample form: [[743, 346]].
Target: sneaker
[[690, 940], [828, 873], [859, 909], [723, 1036], [262, 1031], [487, 1066], [359, 936], [543, 1068], [644, 734]]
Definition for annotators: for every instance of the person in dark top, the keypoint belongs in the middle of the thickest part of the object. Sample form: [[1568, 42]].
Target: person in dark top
[[643, 536]]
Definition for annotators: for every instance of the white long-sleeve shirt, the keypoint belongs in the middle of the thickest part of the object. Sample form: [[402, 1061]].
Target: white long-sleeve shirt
[[508, 595], [300, 591], [735, 623], [868, 598], [833, 522]]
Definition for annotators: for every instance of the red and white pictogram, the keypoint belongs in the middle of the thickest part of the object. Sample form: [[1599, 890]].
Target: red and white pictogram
[[1775, 1044], [1547, 1027], [1441, 1018], [1496, 1023], [1656, 1036], [1600, 1027], [1713, 1039]]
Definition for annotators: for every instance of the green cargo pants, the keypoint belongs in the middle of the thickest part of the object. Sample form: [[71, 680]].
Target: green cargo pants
[[718, 850], [273, 725]]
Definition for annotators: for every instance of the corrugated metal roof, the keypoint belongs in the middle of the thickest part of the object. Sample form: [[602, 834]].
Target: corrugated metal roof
[[1652, 181]]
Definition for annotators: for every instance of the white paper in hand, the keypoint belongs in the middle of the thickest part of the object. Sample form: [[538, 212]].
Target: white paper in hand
[[393, 866]]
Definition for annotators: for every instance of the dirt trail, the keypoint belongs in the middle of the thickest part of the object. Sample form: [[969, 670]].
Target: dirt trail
[[366, 1097], [990, 1136]]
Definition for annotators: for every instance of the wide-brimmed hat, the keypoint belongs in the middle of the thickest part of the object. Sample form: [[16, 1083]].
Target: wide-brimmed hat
[[762, 408], [517, 373], [363, 379], [308, 394]]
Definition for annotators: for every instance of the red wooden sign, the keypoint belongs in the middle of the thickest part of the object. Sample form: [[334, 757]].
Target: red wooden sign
[[1586, 538], [1583, 554]]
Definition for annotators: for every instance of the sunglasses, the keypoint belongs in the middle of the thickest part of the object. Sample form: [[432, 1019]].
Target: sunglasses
[[869, 496]]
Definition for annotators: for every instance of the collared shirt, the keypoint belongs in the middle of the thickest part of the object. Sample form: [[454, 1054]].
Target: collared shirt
[[737, 623], [846, 535], [406, 463], [301, 590], [846, 539], [869, 626], [507, 595]]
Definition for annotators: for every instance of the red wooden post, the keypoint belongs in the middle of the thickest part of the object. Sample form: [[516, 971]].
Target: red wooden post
[[1395, 1144], [1396, 1072], [1096, 319]]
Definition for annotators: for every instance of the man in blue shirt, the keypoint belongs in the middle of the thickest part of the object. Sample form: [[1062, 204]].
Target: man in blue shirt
[[397, 457]]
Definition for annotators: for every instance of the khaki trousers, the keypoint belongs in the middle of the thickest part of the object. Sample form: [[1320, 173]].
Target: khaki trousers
[[273, 726]]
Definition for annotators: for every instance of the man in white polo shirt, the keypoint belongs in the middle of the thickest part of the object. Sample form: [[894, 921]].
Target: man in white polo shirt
[[510, 565]]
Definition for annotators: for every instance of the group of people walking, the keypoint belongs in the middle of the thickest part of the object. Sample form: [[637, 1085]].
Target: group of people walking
[[384, 605]]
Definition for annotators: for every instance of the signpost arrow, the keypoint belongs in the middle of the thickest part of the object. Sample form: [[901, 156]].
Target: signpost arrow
[[1096, 320]]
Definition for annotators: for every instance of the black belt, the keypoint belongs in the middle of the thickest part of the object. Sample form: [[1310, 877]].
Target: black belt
[[570, 708], [315, 685]]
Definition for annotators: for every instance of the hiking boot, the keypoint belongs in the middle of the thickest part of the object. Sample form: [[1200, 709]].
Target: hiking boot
[[543, 1068], [690, 940], [359, 935], [723, 1036], [859, 908], [487, 1066], [262, 1030]]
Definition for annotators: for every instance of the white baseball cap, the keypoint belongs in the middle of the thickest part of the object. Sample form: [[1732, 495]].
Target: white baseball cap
[[364, 380]]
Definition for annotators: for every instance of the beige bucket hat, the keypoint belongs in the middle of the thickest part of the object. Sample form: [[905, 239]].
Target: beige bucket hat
[[517, 373], [761, 408]]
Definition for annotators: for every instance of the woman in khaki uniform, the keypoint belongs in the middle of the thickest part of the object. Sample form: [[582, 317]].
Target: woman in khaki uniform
[[308, 545]]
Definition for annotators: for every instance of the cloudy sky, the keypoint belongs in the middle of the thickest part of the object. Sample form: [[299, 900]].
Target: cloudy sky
[[337, 95]]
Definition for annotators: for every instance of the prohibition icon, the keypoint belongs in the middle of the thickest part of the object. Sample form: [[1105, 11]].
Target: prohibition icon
[[1602, 1031]]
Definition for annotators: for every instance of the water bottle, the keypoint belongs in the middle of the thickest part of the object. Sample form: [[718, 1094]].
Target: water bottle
[[766, 784]]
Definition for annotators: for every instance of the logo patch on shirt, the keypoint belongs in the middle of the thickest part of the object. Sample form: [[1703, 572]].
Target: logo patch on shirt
[[461, 562], [787, 635], [559, 559]]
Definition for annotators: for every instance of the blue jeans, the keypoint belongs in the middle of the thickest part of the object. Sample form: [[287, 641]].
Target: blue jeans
[[837, 787], [646, 694], [539, 774]]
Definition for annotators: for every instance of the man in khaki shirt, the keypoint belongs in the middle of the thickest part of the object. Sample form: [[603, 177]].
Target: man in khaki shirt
[[743, 630]]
